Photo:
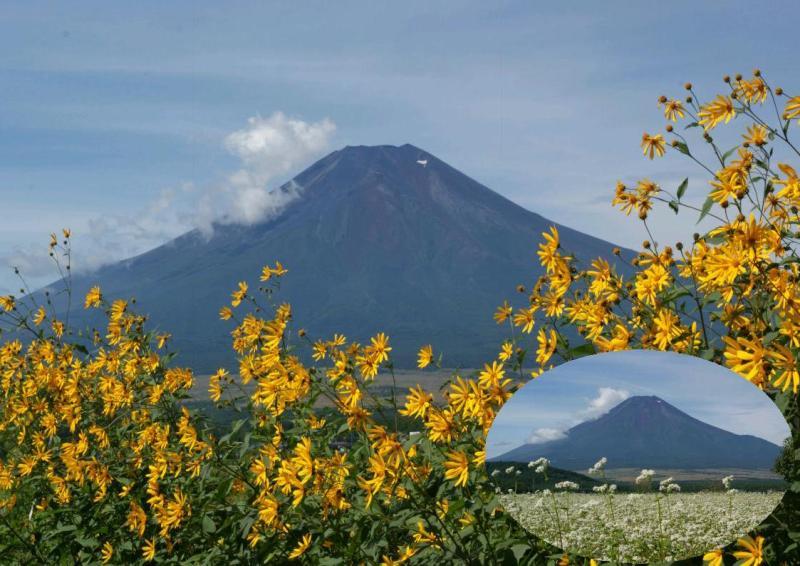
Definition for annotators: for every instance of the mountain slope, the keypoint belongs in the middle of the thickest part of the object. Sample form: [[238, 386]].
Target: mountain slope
[[648, 432], [375, 242]]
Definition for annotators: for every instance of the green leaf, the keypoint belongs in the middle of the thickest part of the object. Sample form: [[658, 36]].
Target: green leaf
[[692, 125], [682, 188], [682, 147], [706, 209], [519, 550], [208, 525], [673, 204], [728, 153], [582, 350]]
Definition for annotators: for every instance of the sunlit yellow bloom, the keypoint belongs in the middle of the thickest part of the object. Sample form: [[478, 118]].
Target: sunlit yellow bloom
[[756, 135], [792, 109], [93, 298], [457, 467], [785, 368], [653, 146], [225, 313], [418, 402], [107, 553], [753, 551], [149, 550], [424, 356], [506, 351], [7, 302], [714, 558], [502, 313], [746, 357], [673, 110], [239, 295], [547, 345], [301, 547], [719, 110], [754, 90], [548, 251], [524, 318]]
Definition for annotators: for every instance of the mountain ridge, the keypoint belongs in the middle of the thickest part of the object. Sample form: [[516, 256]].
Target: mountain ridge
[[374, 241], [648, 432]]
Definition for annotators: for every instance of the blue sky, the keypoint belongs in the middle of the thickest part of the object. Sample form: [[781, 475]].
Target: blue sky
[[588, 387], [115, 116]]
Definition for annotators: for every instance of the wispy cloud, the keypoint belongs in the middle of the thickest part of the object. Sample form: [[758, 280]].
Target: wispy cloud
[[267, 149], [606, 399]]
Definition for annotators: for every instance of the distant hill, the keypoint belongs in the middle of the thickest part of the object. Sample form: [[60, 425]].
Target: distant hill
[[376, 241], [648, 432]]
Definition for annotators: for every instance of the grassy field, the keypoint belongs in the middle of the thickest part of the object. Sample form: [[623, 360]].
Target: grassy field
[[640, 527]]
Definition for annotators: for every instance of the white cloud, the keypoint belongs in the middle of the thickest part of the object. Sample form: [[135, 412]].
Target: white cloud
[[606, 399], [268, 150], [546, 435]]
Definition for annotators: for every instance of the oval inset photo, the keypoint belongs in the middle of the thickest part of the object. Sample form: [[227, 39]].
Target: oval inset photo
[[638, 456]]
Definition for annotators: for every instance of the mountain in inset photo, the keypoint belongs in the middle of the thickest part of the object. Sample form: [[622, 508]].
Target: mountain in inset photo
[[647, 432]]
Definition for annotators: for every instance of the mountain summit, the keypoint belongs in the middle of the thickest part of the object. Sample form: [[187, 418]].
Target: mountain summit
[[379, 238], [648, 432]]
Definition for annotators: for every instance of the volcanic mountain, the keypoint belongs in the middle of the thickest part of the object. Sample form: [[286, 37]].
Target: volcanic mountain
[[648, 432], [377, 239]]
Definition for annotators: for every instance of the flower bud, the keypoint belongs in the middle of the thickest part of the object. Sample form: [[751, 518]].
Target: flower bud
[[696, 237], [669, 127], [646, 244], [679, 245], [724, 204], [616, 251], [756, 72], [688, 86], [738, 76], [520, 288], [779, 91], [726, 79], [689, 99], [662, 99]]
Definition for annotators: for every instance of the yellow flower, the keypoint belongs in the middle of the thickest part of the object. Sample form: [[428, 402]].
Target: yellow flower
[[714, 558], [752, 555], [547, 345], [653, 146], [214, 386], [792, 109], [424, 356], [746, 357], [418, 402], [524, 318], [225, 313], [756, 135], [93, 298], [548, 251], [7, 302], [301, 547], [149, 550], [238, 295], [107, 552], [162, 339], [502, 313], [673, 109], [719, 110], [457, 467], [786, 374], [39, 317]]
